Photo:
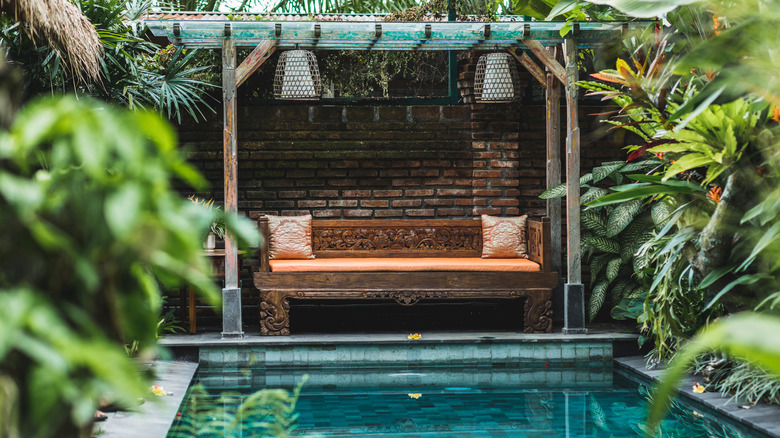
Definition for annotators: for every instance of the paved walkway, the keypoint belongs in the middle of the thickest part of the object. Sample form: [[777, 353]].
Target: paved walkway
[[156, 415]]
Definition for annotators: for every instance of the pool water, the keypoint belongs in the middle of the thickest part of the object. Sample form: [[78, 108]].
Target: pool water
[[445, 402]]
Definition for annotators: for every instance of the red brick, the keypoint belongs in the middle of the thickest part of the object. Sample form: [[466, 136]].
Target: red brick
[[479, 164], [505, 183], [502, 163], [357, 193], [394, 173], [392, 113], [437, 163], [407, 203], [491, 211], [487, 154], [438, 182], [375, 203], [487, 193], [324, 193], [467, 202], [343, 182], [478, 183], [424, 172], [456, 112], [504, 145], [278, 183], [326, 213], [478, 145], [292, 194], [419, 192], [463, 182], [405, 164], [451, 212], [516, 211], [439, 202], [389, 213], [279, 204], [505, 203], [330, 173], [458, 172], [453, 192], [387, 193], [358, 213], [487, 174], [312, 204], [423, 213], [406, 182], [425, 113], [515, 192], [345, 164], [343, 203], [301, 174]]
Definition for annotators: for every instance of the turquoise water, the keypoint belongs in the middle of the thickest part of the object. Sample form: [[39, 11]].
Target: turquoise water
[[458, 402]]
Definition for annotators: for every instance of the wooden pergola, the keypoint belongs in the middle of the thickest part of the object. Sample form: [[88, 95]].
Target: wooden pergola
[[266, 34]]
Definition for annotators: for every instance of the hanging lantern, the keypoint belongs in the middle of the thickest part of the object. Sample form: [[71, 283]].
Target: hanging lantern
[[297, 76], [496, 79]]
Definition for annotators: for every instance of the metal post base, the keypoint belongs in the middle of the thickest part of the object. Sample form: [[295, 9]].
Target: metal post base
[[232, 326], [574, 309]]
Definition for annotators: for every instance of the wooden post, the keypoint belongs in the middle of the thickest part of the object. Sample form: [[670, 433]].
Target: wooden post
[[574, 300], [572, 165], [553, 96], [231, 293]]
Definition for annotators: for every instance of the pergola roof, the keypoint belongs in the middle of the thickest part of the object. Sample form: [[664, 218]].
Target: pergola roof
[[369, 32]]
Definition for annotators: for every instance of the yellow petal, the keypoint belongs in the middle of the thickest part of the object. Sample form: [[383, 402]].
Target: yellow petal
[[414, 395]]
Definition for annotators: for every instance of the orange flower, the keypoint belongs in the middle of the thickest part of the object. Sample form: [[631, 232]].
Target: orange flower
[[659, 155], [776, 114], [715, 193]]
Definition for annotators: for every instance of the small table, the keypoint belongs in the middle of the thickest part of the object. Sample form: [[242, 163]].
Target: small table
[[217, 259]]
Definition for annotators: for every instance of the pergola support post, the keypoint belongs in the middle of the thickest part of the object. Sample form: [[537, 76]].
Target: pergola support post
[[553, 110], [574, 290], [232, 326]]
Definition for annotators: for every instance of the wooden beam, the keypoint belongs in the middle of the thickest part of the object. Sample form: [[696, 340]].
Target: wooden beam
[[529, 65], [572, 165], [551, 63], [553, 106], [259, 55], [230, 155]]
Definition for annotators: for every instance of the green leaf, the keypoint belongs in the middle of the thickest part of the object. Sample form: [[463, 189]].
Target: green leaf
[[613, 268], [597, 264], [591, 194], [597, 298], [715, 275], [123, 210], [603, 244], [742, 336], [661, 212], [558, 191], [594, 221], [621, 216], [606, 170], [745, 279], [644, 8]]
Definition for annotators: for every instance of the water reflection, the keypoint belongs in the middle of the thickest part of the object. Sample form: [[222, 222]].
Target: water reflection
[[467, 402]]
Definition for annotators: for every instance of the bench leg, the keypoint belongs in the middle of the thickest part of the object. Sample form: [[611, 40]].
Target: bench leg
[[274, 313], [538, 313]]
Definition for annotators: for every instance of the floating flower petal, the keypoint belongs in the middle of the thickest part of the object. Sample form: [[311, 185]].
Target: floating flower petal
[[414, 395], [415, 336], [698, 389]]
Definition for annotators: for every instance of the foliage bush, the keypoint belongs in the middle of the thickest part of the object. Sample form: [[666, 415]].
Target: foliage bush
[[91, 225]]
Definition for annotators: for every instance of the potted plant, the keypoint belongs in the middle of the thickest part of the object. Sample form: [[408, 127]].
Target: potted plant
[[217, 227]]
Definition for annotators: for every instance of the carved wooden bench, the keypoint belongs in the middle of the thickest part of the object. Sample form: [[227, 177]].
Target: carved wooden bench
[[387, 256]]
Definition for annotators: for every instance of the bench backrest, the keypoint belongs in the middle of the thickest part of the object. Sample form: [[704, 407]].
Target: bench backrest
[[389, 238]]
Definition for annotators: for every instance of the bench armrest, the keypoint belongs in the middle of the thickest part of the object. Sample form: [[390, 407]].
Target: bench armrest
[[539, 242], [262, 250]]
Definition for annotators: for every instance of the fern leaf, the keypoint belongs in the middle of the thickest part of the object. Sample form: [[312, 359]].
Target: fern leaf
[[597, 298], [621, 216]]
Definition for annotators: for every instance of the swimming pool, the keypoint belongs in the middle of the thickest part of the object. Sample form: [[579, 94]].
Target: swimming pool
[[439, 402]]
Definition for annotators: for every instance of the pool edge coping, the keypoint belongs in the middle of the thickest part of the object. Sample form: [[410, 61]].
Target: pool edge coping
[[755, 418]]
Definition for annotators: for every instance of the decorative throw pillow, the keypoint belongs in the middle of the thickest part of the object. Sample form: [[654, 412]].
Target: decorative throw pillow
[[504, 237], [289, 237]]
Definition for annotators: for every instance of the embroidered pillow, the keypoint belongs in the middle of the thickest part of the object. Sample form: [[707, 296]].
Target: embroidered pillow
[[289, 237], [504, 237]]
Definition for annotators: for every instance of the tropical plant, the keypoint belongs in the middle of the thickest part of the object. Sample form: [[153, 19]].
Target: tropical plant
[[217, 225], [265, 413], [131, 70], [91, 224]]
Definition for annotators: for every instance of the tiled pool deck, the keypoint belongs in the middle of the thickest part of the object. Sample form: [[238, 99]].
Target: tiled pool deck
[[288, 357]]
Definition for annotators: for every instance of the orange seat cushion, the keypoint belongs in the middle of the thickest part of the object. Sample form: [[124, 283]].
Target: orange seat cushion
[[404, 264]]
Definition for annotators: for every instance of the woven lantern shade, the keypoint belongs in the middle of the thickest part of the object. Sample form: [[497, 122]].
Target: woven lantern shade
[[496, 79], [297, 76]]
